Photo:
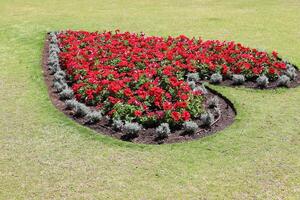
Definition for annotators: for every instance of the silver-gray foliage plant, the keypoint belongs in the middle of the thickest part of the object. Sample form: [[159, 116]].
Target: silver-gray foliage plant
[[291, 72], [262, 81], [190, 127], [284, 80], [238, 79], [163, 130], [213, 102], [81, 110], [71, 103], [59, 86], [192, 84], [193, 77], [94, 116], [132, 128], [201, 89], [59, 76], [207, 118], [117, 124], [66, 94], [216, 78]]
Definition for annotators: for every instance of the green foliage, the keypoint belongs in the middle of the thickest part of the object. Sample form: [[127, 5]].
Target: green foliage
[[114, 62], [124, 111], [195, 105]]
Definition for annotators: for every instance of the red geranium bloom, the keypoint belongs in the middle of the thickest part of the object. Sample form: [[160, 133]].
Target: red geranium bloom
[[167, 105], [176, 116], [271, 70], [186, 115], [138, 113]]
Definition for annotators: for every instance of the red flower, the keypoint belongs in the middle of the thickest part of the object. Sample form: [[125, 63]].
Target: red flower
[[275, 54], [167, 105], [247, 66], [184, 97], [176, 116], [271, 70], [224, 69], [138, 113], [128, 92], [186, 115]]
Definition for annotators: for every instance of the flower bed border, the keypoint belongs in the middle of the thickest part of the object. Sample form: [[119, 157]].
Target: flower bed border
[[227, 117]]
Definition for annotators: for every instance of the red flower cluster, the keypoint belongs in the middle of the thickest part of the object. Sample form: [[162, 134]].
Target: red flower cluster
[[131, 76]]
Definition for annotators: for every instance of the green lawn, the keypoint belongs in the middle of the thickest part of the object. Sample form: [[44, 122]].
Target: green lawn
[[45, 155]]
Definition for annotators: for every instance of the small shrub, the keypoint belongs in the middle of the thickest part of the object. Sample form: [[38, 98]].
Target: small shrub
[[132, 128], [193, 77], [291, 72], [53, 68], [61, 73], [71, 103], [192, 84], [238, 79], [201, 88], [190, 127], [207, 119], [117, 124], [262, 81], [213, 102], [81, 110], [216, 78], [59, 76], [53, 38], [53, 58], [67, 93], [58, 86], [163, 130], [284, 80], [53, 48], [93, 117]]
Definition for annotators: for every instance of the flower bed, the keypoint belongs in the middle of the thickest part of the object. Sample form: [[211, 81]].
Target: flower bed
[[141, 82]]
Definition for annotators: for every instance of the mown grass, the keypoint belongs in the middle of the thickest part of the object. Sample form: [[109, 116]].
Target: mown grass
[[45, 155]]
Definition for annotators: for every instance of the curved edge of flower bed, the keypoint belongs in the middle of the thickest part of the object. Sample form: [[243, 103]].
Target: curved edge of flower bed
[[147, 136], [289, 80], [215, 92]]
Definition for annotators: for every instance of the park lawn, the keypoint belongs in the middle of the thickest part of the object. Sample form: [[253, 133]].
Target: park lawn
[[45, 155]]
